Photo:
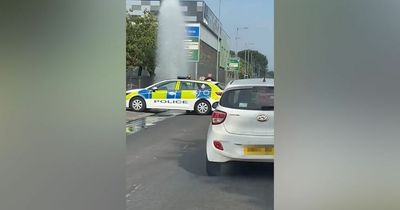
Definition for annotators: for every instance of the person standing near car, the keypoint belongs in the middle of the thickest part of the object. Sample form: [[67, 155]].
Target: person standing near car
[[209, 78]]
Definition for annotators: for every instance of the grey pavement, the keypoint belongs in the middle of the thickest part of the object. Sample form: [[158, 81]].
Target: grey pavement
[[166, 170]]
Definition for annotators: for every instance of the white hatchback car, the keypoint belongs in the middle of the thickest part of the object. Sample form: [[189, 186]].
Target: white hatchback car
[[242, 126]]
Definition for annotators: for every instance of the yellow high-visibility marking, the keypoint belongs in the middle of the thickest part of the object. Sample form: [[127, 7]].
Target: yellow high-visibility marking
[[159, 94], [188, 94]]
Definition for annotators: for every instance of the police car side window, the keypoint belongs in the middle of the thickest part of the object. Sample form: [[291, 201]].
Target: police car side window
[[202, 86], [170, 86], [187, 86]]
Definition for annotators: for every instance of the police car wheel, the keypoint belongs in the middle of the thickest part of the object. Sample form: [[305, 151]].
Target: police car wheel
[[202, 107], [138, 104]]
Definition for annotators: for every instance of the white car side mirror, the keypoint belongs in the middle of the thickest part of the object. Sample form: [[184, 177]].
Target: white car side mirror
[[215, 105]]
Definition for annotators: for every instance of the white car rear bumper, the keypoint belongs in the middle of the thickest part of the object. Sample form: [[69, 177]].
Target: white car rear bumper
[[233, 145]]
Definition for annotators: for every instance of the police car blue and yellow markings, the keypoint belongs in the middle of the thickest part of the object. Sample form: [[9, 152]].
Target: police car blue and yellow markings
[[143, 93], [160, 95], [203, 94], [146, 94], [178, 94], [171, 95]]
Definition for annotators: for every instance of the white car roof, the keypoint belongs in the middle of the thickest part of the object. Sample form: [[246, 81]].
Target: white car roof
[[251, 82]]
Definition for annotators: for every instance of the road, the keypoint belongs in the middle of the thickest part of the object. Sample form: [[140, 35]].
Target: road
[[166, 170]]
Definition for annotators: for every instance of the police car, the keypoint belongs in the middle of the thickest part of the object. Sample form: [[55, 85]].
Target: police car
[[179, 94]]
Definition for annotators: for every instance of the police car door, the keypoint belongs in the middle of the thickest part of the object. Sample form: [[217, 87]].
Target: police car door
[[164, 97], [187, 94]]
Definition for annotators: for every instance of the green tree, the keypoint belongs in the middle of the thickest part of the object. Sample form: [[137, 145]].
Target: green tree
[[242, 68], [259, 65], [141, 42]]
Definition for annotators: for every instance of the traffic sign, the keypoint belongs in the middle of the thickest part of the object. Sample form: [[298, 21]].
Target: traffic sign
[[233, 64], [192, 42]]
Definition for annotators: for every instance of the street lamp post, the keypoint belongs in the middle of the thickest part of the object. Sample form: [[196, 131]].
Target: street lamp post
[[236, 41], [237, 37], [218, 41], [251, 63], [247, 58], [248, 63], [254, 67]]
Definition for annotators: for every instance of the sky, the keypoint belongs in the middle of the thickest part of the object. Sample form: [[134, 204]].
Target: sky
[[257, 15]]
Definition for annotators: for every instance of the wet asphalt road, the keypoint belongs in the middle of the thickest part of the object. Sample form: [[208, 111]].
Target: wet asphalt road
[[166, 170]]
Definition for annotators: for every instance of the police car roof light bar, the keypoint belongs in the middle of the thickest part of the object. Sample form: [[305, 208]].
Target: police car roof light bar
[[181, 77]]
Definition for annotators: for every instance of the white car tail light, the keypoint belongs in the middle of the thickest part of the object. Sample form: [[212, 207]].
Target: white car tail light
[[218, 117], [218, 145]]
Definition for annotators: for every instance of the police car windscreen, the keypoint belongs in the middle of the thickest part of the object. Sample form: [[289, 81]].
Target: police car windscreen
[[255, 98], [221, 86]]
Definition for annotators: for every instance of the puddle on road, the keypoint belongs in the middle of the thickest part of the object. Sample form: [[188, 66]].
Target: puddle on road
[[140, 124]]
